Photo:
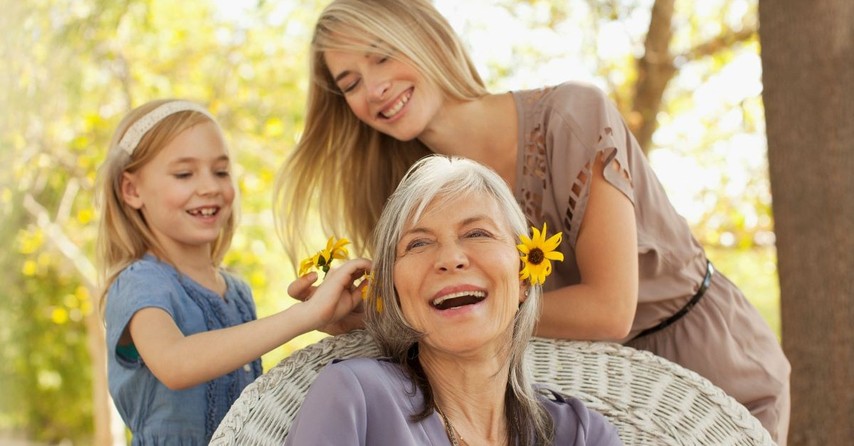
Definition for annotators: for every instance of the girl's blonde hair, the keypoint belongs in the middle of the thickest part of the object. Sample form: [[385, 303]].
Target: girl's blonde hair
[[123, 235], [341, 164], [433, 181]]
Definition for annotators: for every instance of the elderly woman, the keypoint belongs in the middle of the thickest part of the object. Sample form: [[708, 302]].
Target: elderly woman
[[452, 317]]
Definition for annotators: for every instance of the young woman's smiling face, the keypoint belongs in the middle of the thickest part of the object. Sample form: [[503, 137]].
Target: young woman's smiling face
[[457, 274], [385, 92]]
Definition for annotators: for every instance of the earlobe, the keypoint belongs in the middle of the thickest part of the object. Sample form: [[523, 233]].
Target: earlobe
[[130, 195], [523, 294]]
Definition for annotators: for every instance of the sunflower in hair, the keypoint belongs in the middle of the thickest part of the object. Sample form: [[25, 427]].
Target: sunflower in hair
[[369, 282], [537, 254]]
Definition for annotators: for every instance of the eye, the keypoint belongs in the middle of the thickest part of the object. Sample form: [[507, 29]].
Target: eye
[[349, 87], [478, 233], [223, 173], [415, 244], [182, 175]]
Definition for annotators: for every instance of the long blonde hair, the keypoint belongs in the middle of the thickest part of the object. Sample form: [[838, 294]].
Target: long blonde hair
[[342, 165], [123, 235]]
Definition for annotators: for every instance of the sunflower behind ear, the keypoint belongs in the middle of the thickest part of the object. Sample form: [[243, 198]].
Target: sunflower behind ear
[[537, 253]]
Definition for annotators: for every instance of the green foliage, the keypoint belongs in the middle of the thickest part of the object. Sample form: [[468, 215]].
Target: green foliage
[[73, 68]]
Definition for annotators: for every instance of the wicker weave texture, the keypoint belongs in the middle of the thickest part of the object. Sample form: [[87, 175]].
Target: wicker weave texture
[[650, 400]]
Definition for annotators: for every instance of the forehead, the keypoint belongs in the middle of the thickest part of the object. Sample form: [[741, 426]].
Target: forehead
[[201, 141], [454, 209]]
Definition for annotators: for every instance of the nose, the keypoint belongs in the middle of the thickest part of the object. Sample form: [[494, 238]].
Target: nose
[[208, 184], [451, 257], [379, 89]]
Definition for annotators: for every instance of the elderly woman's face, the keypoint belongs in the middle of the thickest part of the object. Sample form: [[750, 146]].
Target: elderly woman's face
[[457, 274]]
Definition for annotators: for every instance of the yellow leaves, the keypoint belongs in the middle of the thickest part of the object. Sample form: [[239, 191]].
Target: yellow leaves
[[84, 216], [30, 268], [274, 128], [73, 308], [30, 241]]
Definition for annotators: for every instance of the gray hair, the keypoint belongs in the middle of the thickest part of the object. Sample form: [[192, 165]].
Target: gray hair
[[433, 179]]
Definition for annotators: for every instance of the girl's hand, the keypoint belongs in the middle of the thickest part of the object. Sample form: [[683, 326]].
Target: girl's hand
[[337, 302]]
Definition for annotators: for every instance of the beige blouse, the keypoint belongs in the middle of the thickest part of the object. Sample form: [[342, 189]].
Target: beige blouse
[[561, 131]]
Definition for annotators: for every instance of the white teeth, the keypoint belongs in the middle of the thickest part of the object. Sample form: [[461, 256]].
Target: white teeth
[[204, 212], [396, 107], [438, 301]]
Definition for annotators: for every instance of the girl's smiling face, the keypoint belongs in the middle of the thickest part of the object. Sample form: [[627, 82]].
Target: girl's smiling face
[[457, 274], [185, 192]]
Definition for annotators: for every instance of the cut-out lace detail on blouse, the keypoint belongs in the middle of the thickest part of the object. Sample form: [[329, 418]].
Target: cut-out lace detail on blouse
[[535, 167]]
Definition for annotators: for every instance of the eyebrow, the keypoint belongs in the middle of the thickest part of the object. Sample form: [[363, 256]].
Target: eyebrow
[[188, 159], [345, 73], [466, 221], [342, 75]]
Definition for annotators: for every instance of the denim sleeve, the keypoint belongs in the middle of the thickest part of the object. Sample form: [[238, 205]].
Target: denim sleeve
[[141, 285]]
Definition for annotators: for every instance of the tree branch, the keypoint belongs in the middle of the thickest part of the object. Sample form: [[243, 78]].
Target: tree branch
[[61, 241]]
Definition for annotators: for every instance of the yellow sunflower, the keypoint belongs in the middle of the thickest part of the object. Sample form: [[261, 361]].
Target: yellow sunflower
[[537, 254], [369, 278], [335, 249], [307, 264]]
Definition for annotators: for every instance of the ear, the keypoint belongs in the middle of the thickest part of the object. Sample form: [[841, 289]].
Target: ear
[[130, 194], [523, 293]]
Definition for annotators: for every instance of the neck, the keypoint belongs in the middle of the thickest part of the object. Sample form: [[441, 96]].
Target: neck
[[483, 130], [198, 265], [470, 393]]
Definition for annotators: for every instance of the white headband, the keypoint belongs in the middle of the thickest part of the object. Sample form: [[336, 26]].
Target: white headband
[[139, 128]]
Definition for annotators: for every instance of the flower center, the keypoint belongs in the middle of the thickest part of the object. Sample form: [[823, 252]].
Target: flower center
[[536, 256]]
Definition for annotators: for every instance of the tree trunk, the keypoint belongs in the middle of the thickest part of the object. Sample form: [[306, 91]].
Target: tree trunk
[[808, 77], [655, 69]]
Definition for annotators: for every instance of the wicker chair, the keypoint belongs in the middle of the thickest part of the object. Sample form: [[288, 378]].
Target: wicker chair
[[651, 401]]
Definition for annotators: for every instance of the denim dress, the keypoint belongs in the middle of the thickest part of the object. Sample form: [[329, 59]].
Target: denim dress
[[155, 414]]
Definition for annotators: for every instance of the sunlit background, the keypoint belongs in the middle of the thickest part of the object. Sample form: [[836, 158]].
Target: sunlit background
[[74, 67]]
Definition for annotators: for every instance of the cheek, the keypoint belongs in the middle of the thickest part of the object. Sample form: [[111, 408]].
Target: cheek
[[357, 105]]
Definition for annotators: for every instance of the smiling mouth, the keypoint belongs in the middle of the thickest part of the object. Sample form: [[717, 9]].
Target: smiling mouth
[[395, 108], [456, 300], [204, 212]]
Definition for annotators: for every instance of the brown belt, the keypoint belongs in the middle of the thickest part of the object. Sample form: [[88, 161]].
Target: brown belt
[[707, 281]]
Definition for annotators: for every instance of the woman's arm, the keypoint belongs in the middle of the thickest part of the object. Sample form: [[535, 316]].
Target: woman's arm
[[602, 306], [180, 362]]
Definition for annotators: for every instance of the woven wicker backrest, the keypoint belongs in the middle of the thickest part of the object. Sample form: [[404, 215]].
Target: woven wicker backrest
[[651, 401]]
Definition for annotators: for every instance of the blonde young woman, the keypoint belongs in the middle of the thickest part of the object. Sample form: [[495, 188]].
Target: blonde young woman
[[453, 318], [183, 339], [391, 82]]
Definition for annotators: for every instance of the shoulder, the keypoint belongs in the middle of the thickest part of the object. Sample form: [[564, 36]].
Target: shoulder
[[567, 97], [376, 379], [146, 267], [575, 423], [365, 370], [146, 282], [145, 276]]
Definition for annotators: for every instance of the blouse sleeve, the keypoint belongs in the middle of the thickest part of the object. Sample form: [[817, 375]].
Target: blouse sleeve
[[333, 412], [585, 124]]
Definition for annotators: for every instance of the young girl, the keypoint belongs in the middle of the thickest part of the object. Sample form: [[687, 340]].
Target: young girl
[[182, 336], [392, 82]]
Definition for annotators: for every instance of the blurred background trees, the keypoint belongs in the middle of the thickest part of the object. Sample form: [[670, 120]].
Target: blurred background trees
[[685, 74]]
